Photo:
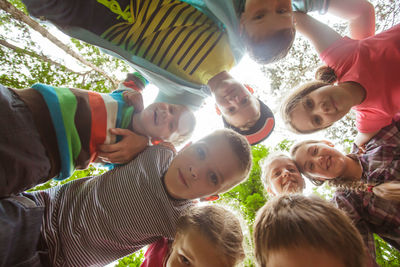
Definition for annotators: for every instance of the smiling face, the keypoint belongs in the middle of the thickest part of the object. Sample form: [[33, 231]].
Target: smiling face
[[193, 249], [284, 177], [205, 168], [238, 106], [262, 18], [165, 121], [321, 108], [320, 160]]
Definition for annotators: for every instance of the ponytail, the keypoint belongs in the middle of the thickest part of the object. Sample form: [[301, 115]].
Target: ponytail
[[389, 190], [326, 74]]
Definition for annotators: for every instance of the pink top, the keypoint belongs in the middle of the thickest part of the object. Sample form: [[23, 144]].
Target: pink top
[[374, 63], [156, 253]]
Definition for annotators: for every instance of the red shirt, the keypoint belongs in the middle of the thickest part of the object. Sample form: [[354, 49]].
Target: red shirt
[[374, 63], [156, 253]]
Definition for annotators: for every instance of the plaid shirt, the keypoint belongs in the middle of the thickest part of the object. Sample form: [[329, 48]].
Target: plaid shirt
[[371, 214]]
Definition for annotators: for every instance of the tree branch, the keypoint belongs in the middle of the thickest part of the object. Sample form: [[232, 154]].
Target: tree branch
[[20, 16]]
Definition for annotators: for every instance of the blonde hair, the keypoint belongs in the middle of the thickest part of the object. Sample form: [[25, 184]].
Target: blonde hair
[[389, 190], [219, 226], [294, 221], [266, 162]]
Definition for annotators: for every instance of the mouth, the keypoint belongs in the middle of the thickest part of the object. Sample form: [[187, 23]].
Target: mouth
[[289, 185], [155, 117], [328, 162], [182, 179]]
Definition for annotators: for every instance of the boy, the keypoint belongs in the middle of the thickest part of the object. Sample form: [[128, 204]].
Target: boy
[[300, 231], [54, 131], [174, 46], [96, 220], [280, 175]]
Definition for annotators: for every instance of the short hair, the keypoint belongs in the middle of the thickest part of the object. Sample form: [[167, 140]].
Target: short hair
[[265, 163], [220, 226], [272, 47], [239, 145], [293, 221], [180, 139], [294, 99]]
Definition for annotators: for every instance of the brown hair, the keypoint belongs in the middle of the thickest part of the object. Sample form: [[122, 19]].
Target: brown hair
[[220, 226], [240, 147], [324, 76], [293, 221], [388, 190], [272, 47]]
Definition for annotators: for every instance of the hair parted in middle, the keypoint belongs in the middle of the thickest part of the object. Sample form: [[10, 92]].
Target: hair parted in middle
[[220, 226], [324, 76], [295, 221], [270, 48]]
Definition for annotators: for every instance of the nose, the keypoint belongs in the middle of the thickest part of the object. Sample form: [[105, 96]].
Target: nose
[[234, 100], [285, 173], [193, 172]]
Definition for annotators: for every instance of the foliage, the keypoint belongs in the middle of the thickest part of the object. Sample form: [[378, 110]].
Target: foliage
[[133, 260], [386, 255]]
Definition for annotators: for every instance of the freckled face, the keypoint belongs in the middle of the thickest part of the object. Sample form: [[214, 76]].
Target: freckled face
[[205, 168], [320, 160], [284, 177], [321, 108], [192, 248]]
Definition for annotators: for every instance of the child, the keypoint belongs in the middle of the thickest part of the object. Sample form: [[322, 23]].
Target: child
[[265, 28], [96, 220], [367, 192], [176, 47], [70, 124], [205, 236], [367, 82], [280, 175], [295, 230]]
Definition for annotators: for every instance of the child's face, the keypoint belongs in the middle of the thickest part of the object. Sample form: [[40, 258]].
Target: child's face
[[166, 121], [262, 18], [302, 257], [320, 160], [192, 248], [205, 168], [284, 177], [321, 108], [238, 106]]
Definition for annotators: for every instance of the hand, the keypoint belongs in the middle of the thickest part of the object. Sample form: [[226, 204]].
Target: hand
[[125, 150], [135, 99]]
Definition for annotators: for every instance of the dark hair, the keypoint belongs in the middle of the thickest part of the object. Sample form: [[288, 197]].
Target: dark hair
[[326, 74], [295, 221], [220, 226], [272, 47]]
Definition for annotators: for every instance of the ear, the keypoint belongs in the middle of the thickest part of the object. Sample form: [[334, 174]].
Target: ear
[[209, 198], [217, 110], [328, 143]]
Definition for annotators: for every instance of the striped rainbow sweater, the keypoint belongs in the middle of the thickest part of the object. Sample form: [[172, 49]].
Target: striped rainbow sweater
[[81, 120]]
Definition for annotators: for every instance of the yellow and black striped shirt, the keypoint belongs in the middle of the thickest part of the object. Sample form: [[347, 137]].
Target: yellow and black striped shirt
[[172, 35]]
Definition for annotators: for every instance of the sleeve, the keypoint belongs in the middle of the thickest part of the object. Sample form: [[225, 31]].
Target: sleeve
[[310, 5], [350, 204], [368, 122], [156, 253]]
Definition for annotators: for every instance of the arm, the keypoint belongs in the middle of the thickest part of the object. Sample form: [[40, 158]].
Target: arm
[[359, 13], [320, 35], [125, 150], [363, 138]]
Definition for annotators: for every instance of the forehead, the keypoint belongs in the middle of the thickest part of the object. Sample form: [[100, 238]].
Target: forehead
[[301, 118], [281, 162], [201, 251]]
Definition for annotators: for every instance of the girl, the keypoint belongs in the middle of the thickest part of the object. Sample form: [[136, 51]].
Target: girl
[[367, 81], [280, 175], [206, 236], [368, 183]]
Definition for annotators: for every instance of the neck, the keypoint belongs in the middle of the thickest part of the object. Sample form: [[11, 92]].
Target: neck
[[214, 82], [356, 92], [353, 169], [136, 124]]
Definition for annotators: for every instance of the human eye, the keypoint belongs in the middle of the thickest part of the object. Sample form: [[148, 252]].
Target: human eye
[[244, 100], [282, 10], [276, 174], [309, 103], [314, 151], [184, 260], [201, 153], [231, 109], [258, 16], [317, 120], [292, 170], [214, 178]]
